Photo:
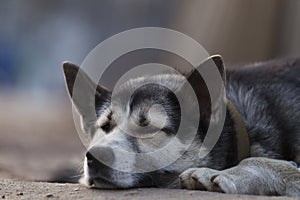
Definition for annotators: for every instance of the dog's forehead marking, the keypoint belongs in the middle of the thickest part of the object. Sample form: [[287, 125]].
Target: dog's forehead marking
[[171, 81], [155, 115], [158, 116]]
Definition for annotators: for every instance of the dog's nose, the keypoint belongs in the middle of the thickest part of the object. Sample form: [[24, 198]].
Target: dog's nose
[[99, 157]]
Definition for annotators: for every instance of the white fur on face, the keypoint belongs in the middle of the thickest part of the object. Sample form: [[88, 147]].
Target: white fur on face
[[103, 118], [125, 158], [159, 152], [118, 139], [118, 142], [85, 178]]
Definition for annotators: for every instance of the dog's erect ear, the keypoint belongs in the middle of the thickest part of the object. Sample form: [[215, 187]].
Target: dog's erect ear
[[211, 72], [85, 94], [207, 65], [218, 61]]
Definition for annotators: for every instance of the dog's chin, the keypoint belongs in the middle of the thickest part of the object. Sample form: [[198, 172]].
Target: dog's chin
[[97, 183], [103, 184]]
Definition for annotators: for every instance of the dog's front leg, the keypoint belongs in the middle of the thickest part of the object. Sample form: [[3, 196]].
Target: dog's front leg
[[252, 176]]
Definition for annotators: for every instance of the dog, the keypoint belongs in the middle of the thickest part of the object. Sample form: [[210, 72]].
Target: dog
[[258, 150]]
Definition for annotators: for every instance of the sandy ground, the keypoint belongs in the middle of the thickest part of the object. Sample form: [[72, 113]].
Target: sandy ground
[[37, 139], [10, 189]]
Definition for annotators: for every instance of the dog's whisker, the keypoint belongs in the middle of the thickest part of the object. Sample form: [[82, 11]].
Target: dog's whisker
[[75, 176]]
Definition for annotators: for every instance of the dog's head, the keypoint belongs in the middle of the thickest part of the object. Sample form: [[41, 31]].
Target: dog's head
[[126, 133]]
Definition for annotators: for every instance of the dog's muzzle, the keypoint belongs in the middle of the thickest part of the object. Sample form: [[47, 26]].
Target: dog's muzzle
[[99, 158], [99, 161]]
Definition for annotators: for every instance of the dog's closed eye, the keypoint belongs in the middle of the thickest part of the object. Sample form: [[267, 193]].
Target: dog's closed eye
[[106, 123], [106, 127]]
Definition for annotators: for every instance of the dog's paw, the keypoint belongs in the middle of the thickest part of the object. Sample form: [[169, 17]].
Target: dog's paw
[[224, 183], [199, 179], [255, 176]]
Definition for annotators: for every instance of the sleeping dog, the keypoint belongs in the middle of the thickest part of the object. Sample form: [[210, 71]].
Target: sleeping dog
[[257, 152]]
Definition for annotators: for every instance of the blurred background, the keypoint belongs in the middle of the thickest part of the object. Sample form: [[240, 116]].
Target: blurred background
[[37, 135]]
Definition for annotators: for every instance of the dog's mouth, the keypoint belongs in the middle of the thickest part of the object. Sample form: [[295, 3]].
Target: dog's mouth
[[101, 183], [97, 182]]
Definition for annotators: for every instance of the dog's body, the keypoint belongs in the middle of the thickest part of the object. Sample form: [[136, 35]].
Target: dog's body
[[266, 98]]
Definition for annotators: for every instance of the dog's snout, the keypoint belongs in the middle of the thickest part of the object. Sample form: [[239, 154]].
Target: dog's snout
[[98, 157]]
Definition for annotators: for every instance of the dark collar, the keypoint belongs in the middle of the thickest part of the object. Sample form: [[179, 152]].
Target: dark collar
[[243, 144]]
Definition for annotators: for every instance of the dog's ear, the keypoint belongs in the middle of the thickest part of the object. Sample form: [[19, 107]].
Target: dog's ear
[[87, 96], [211, 72], [206, 66], [218, 61]]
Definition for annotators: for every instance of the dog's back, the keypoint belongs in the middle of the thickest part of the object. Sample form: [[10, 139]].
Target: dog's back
[[268, 97]]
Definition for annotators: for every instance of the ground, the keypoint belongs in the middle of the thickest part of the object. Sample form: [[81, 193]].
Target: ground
[[10, 189]]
